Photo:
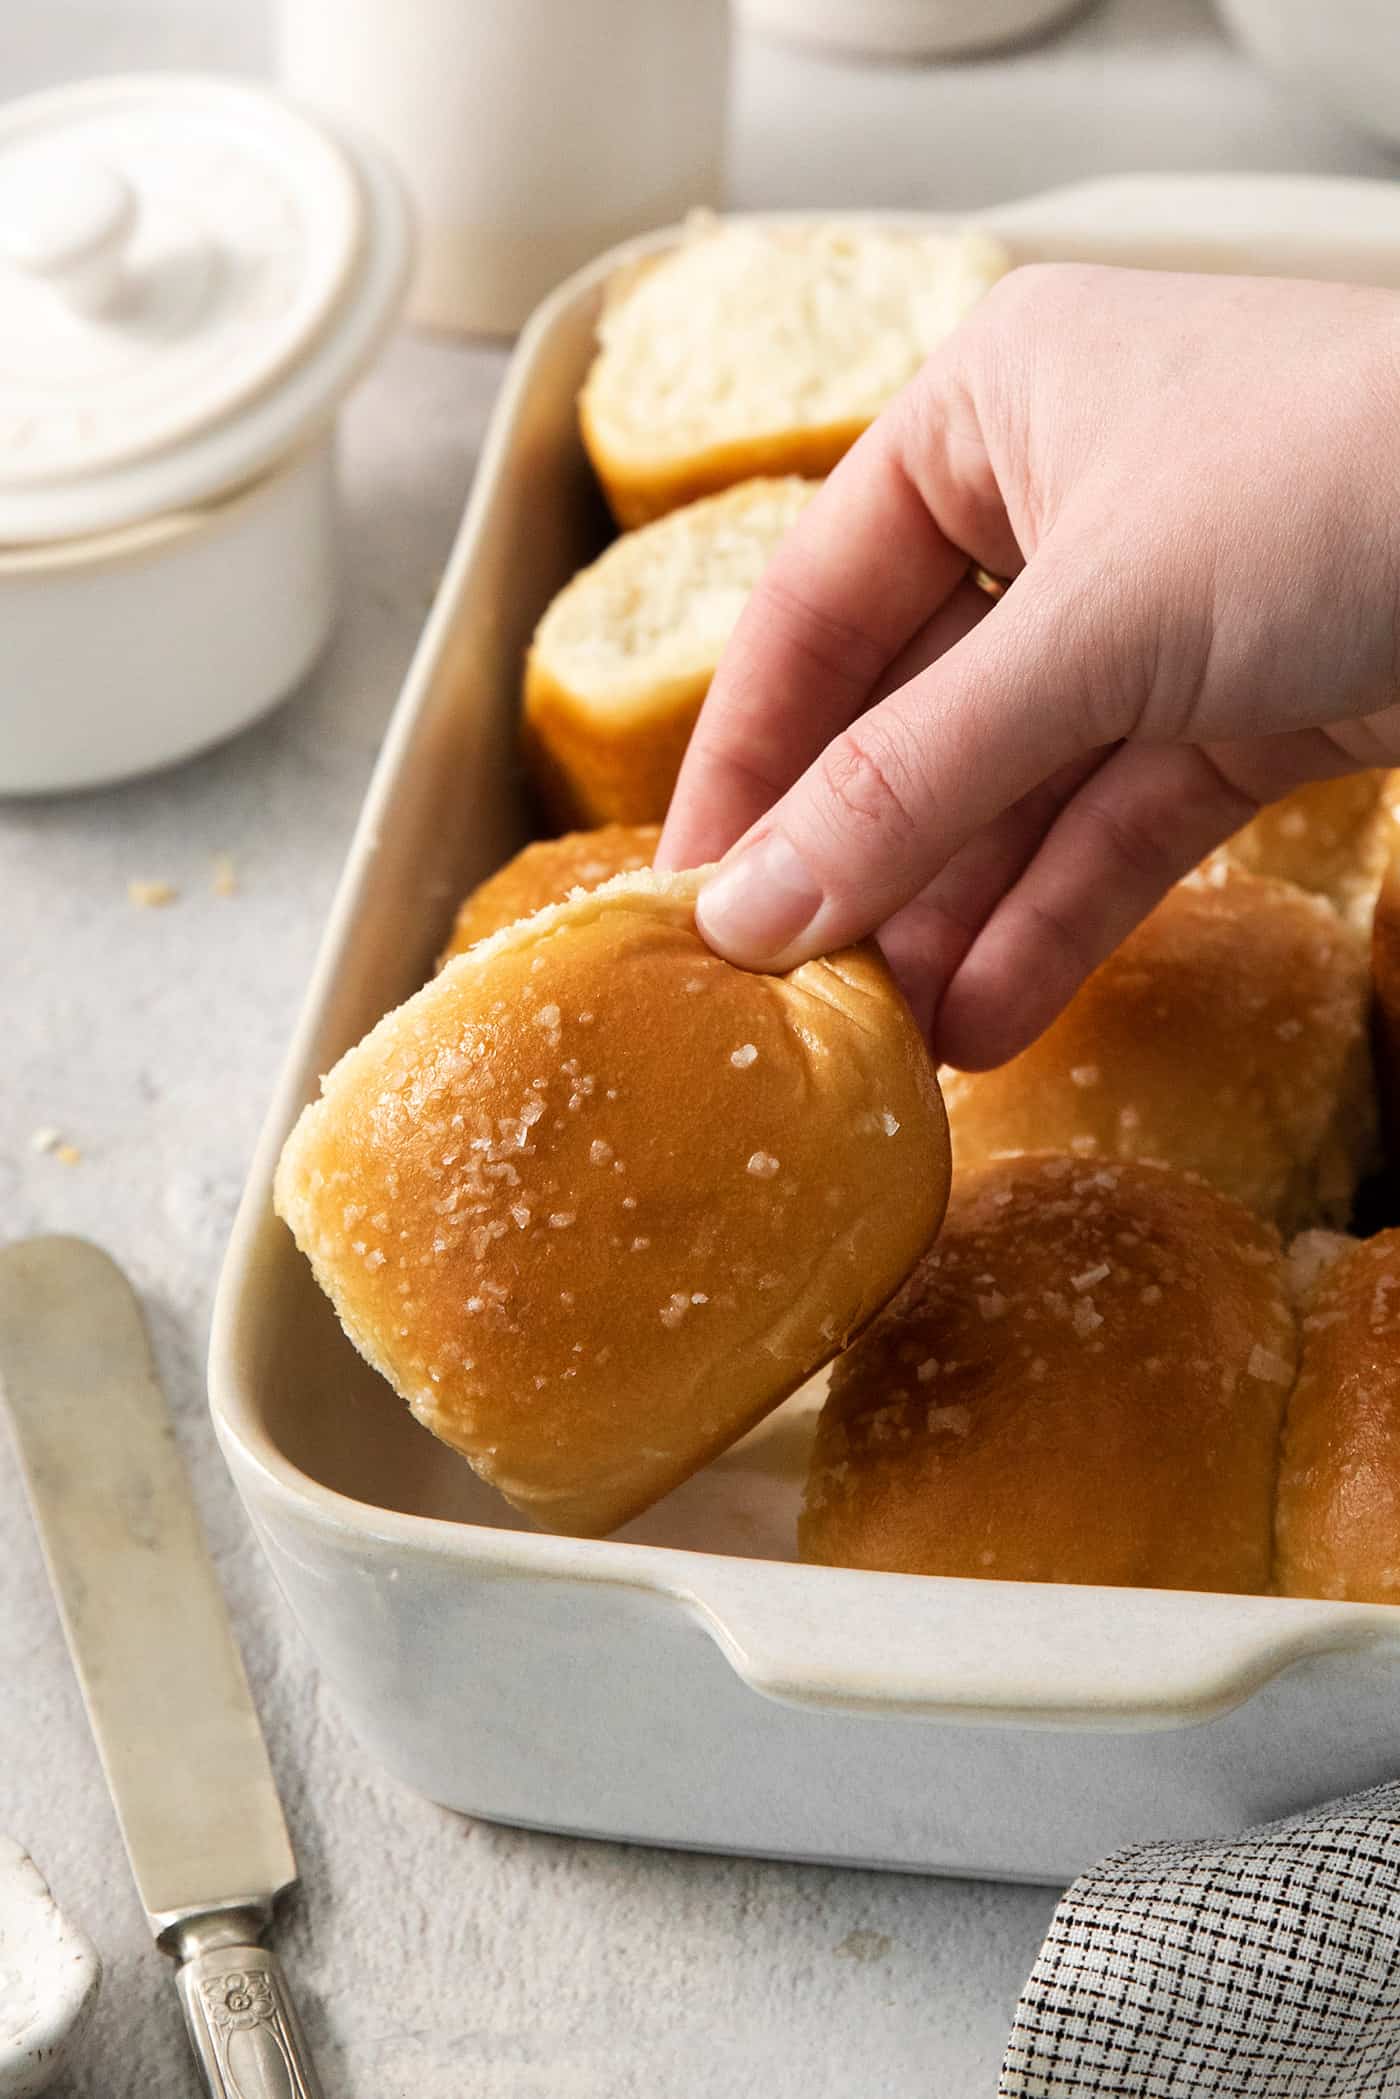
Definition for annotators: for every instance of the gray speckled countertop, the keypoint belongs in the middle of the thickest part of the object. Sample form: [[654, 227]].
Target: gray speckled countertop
[[435, 1957]]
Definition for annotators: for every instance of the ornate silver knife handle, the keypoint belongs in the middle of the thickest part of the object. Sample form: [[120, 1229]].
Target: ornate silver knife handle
[[243, 2026]]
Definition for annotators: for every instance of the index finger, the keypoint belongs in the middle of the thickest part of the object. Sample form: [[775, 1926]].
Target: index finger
[[861, 572]]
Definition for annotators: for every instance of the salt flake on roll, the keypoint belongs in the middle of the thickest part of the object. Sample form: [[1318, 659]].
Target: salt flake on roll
[[591, 1254]]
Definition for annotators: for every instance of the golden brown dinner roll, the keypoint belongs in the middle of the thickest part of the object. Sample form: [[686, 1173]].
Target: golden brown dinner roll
[[764, 348], [1332, 837], [624, 656], [593, 1200], [1082, 1382], [1227, 1036], [1339, 1486], [547, 872], [1385, 976]]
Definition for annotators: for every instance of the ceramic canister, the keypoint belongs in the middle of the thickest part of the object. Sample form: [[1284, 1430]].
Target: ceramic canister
[[530, 133], [192, 274]]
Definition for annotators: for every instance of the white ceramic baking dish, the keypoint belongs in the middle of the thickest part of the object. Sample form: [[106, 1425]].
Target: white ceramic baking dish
[[685, 1683]]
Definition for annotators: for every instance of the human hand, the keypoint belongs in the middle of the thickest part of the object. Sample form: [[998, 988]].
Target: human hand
[[1195, 483]]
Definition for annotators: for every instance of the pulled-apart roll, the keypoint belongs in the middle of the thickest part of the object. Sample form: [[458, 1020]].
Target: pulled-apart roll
[[1082, 1382], [593, 1200], [623, 657], [1227, 1036], [756, 348]]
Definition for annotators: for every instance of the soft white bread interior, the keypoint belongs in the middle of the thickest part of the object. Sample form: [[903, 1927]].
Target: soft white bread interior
[[763, 348], [1082, 1382], [1332, 837], [546, 873], [593, 1200], [1227, 1036], [623, 658], [1338, 1519]]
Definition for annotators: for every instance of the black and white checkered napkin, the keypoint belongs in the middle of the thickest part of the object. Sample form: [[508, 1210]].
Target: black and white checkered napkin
[[1265, 1966]]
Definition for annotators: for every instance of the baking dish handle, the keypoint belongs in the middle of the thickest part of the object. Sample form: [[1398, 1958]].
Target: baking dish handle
[[1018, 1653]]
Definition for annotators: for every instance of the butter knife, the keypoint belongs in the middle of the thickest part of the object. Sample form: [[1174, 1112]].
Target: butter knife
[[150, 1640]]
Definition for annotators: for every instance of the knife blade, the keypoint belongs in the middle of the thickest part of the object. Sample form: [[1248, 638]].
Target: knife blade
[[160, 1673]]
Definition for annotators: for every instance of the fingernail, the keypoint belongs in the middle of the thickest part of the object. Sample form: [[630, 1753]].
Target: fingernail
[[758, 903]]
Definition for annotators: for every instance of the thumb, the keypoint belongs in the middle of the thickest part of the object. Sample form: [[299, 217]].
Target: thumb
[[889, 801]]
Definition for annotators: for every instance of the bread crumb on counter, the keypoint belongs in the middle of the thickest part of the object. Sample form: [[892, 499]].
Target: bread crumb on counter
[[55, 1145], [151, 896], [224, 880]]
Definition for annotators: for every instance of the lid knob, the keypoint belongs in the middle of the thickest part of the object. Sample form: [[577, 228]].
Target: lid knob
[[192, 274], [66, 220]]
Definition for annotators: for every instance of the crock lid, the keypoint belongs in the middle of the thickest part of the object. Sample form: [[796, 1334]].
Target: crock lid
[[192, 273]]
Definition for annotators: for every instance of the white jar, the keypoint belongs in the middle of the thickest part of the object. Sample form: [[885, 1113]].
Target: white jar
[[907, 29], [1342, 54], [192, 276], [531, 134]]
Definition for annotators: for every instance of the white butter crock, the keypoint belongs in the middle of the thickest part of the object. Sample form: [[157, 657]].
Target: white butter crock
[[683, 1683], [192, 276]]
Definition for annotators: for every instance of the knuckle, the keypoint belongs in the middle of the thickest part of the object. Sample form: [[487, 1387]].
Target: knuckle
[[1075, 620], [867, 785], [931, 938], [1021, 290], [1233, 799], [1034, 288], [1139, 843], [833, 647], [1053, 939], [740, 739], [736, 775]]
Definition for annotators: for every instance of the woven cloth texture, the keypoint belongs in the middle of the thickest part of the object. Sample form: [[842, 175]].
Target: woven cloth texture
[[1259, 1967]]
